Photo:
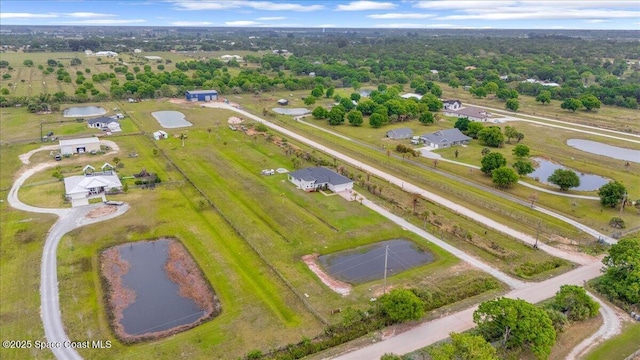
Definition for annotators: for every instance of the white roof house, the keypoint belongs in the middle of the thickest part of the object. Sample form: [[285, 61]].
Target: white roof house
[[160, 135], [315, 178], [78, 187], [79, 146], [106, 53]]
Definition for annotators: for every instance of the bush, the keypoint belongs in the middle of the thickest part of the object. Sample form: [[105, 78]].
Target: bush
[[529, 269]]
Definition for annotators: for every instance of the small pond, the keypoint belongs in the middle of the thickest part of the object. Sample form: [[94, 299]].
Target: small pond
[[611, 151], [588, 182], [171, 119], [366, 263], [292, 111], [79, 111]]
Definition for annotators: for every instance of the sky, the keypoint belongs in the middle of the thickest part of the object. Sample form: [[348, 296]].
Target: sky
[[440, 14]]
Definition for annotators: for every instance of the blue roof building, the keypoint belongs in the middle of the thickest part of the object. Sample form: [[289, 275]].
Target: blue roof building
[[201, 95]]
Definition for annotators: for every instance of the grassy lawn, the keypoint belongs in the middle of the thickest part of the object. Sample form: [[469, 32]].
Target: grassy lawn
[[620, 346]]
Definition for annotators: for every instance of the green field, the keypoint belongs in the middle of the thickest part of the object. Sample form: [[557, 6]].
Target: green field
[[619, 347]]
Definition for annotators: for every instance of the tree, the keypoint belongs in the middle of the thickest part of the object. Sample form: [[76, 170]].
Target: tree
[[621, 279], [617, 222], [355, 117], [474, 128], [571, 104], [491, 162], [590, 102], [355, 97], [309, 100], [565, 178], [426, 118], [504, 177], [520, 151], [432, 102], [366, 106], [523, 167], [376, 120], [519, 137], [116, 160], [611, 194], [330, 92], [512, 104], [485, 151], [28, 63], [491, 87], [575, 303], [510, 132], [516, 324], [52, 62], [75, 62], [491, 136], [462, 124], [336, 116], [464, 346], [320, 113], [317, 92], [402, 305], [544, 97], [478, 92]]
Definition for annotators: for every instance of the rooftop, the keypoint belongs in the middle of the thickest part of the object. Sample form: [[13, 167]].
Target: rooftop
[[446, 136], [90, 140], [196, 92], [321, 175]]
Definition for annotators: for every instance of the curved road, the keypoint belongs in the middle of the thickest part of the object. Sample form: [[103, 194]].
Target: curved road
[[69, 219]]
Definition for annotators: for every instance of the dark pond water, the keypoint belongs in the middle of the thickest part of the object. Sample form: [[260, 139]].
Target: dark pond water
[[83, 111], [170, 119], [611, 151], [158, 305], [588, 182], [366, 263]]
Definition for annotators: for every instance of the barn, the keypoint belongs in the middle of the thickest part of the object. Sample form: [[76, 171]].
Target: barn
[[79, 146], [201, 95]]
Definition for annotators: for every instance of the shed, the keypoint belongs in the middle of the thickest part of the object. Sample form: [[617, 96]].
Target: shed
[[79, 146], [201, 95], [401, 133], [160, 135], [283, 102]]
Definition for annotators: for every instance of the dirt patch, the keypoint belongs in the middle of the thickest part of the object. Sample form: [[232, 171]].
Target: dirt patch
[[101, 211], [340, 287], [119, 296]]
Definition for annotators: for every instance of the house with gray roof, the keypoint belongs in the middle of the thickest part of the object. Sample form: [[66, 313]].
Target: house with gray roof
[[400, 133], [105, 123], [316, 178], [470, 112], [445, 138]]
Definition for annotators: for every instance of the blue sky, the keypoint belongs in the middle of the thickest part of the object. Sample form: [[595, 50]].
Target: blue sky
[[504, 14]]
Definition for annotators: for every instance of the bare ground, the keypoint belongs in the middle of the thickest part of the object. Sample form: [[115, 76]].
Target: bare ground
[[340, 287], [101, 211]]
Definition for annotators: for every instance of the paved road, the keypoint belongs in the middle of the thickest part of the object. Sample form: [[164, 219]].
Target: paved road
[[69, 219]]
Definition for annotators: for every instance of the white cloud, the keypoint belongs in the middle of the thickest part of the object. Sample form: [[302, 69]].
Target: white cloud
[[416, 26], [191, 23], [597, 21], [461, 5], [87, 15], [271, 18], [366, 5], [25, 16], [400, 16], [242, 23], [326, 26], [104, 22], [544, 14], [256, 5]]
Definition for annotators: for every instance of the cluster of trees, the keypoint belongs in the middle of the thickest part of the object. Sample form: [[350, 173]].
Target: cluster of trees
[[621, 279], [495, 165]]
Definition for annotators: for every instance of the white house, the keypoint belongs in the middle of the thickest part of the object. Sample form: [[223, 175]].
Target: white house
[[445, 138], [315, 178], [79, 146], [137, 51], [89, 184], [105, 123], [160, 135], [452, 104], [106, 53], [470, 112]]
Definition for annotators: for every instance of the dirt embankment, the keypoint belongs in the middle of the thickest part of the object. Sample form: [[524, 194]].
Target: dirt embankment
[[340, 287], [119, 296]]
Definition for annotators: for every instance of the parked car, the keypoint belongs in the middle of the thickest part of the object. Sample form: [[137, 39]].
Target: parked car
[[58, 157]]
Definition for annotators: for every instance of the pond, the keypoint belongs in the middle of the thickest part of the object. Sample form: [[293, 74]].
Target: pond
[[366, 263], [292, 111], [79, 111], [611, 151], [146, 296], [171, 119], [588, 182]]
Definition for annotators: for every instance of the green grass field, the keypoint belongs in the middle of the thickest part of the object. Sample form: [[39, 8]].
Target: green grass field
[[619, 347]]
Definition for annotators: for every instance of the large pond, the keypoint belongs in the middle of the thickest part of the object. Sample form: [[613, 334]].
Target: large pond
[[292, 111], [366, 263], [84, 111], [171, 119], [588, 182], [158, 305], [611, 151]]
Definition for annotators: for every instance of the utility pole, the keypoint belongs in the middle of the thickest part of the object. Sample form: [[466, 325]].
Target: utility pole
[[386, 254], [624, 199], [535, 246]]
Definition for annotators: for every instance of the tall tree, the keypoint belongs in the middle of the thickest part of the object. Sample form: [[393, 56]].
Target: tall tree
[[520, 151], [575, 303], [621, 279], [512, 104], [491, 162], [464, 346], [474, 128], [355, 117], [523, 167], [590, 102], [336, 116], [504, 177], [611, 194], [491, 136], [544, 97], [426, 118], [510, 132], [376, 120], [401, 305], [516, 324], [571, 104], [320, 113], [565, 178], [462, 124]]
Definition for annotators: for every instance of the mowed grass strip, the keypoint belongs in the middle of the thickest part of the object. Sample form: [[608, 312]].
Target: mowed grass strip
[[619, 347]]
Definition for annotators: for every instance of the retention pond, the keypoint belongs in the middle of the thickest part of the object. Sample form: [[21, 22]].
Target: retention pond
[[588, 182], [171, 119], [79, 111], [366, 263], [291, 111], [611, 151]]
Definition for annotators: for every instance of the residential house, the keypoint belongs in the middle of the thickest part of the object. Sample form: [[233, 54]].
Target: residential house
[[316, 178], [400, 133], [473, 113], [160, 135], [452, 104], [79, 146], [106, 53], [201, 95], [445, 138], [105, 123], [90, 184]]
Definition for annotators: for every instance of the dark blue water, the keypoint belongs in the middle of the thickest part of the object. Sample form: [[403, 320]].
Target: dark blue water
[[588, 182], [83, 111], [611, 151], [158, 305], [366, 263]]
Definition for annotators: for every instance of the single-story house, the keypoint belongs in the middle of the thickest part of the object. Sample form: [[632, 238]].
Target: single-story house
[[83, 186], [106, 123], [473, 113], [365, 93], [445, 138], [452, 104], [106, 53], [314, 178], [79, 146], [201, 95], [401, 133], [283, 102], [411, 95], [228, 57], [433, 71], [160, 135], [137, 51], [312, 74]]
